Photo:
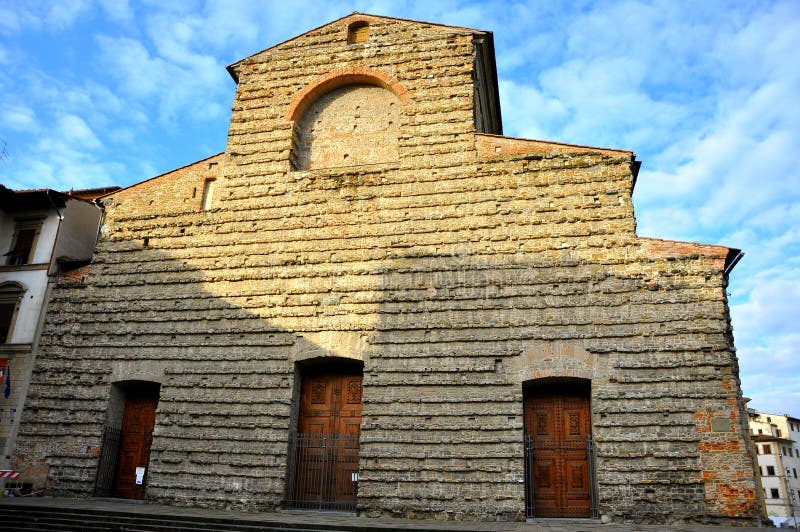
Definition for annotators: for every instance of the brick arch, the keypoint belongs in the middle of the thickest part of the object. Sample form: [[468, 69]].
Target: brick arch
[[567, 378], [556, 360], [552, 374], [329, 344], [339, 78]]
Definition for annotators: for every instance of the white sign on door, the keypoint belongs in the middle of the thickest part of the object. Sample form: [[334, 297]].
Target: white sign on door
[[139, 475]]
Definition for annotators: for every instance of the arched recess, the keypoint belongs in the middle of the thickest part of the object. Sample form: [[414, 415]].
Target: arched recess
[[559, 448], [347, 118]]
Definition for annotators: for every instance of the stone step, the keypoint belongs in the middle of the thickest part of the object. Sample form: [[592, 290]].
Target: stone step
[[51, 519]]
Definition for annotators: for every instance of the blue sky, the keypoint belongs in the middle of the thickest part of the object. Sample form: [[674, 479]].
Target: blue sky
[[109, 92]]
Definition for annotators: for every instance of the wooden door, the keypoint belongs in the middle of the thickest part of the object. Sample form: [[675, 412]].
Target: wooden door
[[136, 437], [330, 404], [557, 429], [329, 424]]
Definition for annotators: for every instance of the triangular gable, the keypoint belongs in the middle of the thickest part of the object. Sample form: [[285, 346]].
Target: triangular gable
[[341, 24]]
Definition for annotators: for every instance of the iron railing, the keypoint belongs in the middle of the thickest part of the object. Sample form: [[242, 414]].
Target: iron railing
[[323, 472], [107, 464], [591, 453], [573, 446]]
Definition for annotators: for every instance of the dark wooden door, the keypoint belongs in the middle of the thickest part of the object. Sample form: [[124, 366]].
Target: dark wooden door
[[329, 424], [330, 404], [557, 429], [136, 437]]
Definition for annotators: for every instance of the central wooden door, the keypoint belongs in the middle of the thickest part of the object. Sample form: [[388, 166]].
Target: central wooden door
[[330, 404], [136, 437], [329, 424], [557, 434]]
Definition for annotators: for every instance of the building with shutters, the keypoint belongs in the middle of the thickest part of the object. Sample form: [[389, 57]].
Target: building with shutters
[[43, 233], [777, 442], [375, 302]]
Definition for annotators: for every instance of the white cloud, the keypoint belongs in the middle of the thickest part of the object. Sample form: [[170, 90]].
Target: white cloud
[[117, 10], [736, 182], [765, 323], [128, 60], [57, 15], [772, 391], [18, 118], [534, 114], [773, 308], [74, 130], [182, 82], [63, 13], [13, 19]]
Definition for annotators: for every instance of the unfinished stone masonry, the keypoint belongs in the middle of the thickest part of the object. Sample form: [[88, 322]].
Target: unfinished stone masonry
[[367, 208]]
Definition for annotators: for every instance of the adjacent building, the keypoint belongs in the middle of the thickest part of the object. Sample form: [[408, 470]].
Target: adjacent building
[[375, 302], [777, 443], [43, 233]]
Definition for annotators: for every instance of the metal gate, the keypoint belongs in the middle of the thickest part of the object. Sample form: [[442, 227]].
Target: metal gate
[[107, 465], [323, 472], [588, 446]]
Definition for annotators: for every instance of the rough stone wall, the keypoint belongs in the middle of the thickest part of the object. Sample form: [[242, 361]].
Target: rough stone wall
[[352, 125], [469, 265]]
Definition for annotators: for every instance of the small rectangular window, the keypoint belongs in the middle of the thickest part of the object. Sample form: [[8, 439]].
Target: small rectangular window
[[208, 193], [7, 312], [767, 449], [778, 432], [760, 431], [770, 471], [22, 247], [10, 298], [774, 493], [794, 471]]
